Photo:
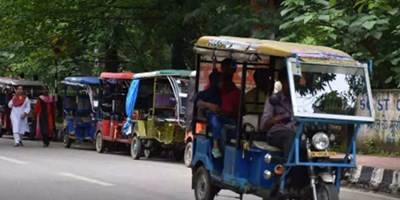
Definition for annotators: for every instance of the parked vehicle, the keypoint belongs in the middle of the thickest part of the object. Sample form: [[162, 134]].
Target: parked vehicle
[[80, 108], [156, 106], [111, 111], [326, 85], [8, 86]]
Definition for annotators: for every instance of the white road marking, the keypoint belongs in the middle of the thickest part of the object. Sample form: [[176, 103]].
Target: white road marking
[[13, 160], [368, 193], [89, 180]]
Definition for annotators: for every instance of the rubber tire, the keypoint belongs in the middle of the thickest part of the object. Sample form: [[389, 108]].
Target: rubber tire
[[136, 154], [326, 191], [100, 143], [188, 154], [210, 190], [1, 132]]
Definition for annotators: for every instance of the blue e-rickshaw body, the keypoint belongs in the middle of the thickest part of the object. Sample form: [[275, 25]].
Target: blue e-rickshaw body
[[80, 109], [249, 165]]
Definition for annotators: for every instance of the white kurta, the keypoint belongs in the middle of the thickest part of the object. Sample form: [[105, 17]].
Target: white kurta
[[20, 125]]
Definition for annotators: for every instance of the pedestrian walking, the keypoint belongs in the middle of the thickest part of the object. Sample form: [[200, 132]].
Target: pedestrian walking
[[45, 112], [20, 108]]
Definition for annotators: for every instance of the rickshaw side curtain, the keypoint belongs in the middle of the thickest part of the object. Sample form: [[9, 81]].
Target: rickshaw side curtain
[[130, 104]]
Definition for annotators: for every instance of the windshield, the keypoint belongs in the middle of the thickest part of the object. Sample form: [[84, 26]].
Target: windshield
[[330, 91]]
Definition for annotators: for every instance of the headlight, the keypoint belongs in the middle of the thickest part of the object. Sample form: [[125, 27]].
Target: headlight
[[320, 141]]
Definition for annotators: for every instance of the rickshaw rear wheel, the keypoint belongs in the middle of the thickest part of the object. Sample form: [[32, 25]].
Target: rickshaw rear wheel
[[203, 188], [100, 143], [136, 148], [188, 154]]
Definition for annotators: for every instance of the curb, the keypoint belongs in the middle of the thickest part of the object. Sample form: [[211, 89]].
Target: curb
[[377, 179]]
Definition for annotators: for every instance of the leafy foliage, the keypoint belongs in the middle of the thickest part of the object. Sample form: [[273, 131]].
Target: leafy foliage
[[102, 35], [366, 29], [141, 35]]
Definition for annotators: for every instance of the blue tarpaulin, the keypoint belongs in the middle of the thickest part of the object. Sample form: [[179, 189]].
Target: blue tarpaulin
[[130, 103], [83, 80]]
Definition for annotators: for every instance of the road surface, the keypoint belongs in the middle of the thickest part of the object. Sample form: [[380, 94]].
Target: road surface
[[80, 173]]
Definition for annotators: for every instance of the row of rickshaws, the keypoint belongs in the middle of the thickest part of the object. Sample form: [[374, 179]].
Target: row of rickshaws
[[144, 111], [152, 112]]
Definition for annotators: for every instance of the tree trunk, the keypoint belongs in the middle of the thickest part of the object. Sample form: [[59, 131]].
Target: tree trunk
[[178, 61], [111, 60]]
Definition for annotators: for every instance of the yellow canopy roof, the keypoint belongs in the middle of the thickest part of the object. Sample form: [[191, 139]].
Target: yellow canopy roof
[[272, 48]]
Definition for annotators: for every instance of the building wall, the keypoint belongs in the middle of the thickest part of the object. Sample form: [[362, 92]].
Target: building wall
[[384, 134]]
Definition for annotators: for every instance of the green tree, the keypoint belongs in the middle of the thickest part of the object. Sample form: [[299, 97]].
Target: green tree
[[112, 35], [366, 29]]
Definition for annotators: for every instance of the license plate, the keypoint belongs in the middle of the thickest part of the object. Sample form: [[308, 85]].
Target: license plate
[[322, 153]]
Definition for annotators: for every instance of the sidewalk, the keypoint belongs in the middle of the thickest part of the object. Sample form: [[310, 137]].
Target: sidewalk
[[392, 163], [376, 173]]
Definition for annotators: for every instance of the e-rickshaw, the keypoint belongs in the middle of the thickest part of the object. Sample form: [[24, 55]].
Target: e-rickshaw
[[326, 86], [156, 112], [80, 109], [112, 97], [8, 87]]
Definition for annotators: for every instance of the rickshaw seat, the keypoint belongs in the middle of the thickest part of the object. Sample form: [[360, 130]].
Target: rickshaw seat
[[265, 146]]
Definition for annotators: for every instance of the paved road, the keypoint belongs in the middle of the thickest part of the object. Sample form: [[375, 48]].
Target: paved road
[[33, 172]]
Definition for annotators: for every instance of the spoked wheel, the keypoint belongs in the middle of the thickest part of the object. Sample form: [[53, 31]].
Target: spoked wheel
[[100, 143], [136, 148], [327, 191], [203, 188], [188, 154]]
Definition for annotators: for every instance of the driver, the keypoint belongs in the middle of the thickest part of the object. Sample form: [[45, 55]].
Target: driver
[[276, 119]]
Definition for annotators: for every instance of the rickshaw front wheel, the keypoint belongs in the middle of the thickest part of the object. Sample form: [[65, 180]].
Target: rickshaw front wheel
[[188, 154], [136, 148], [203, 188], [100, 143], [326, 191]]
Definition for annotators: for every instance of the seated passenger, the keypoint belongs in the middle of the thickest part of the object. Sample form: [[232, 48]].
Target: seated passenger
[[226, 113], [212, 92], [276, 121], [258, 94]]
